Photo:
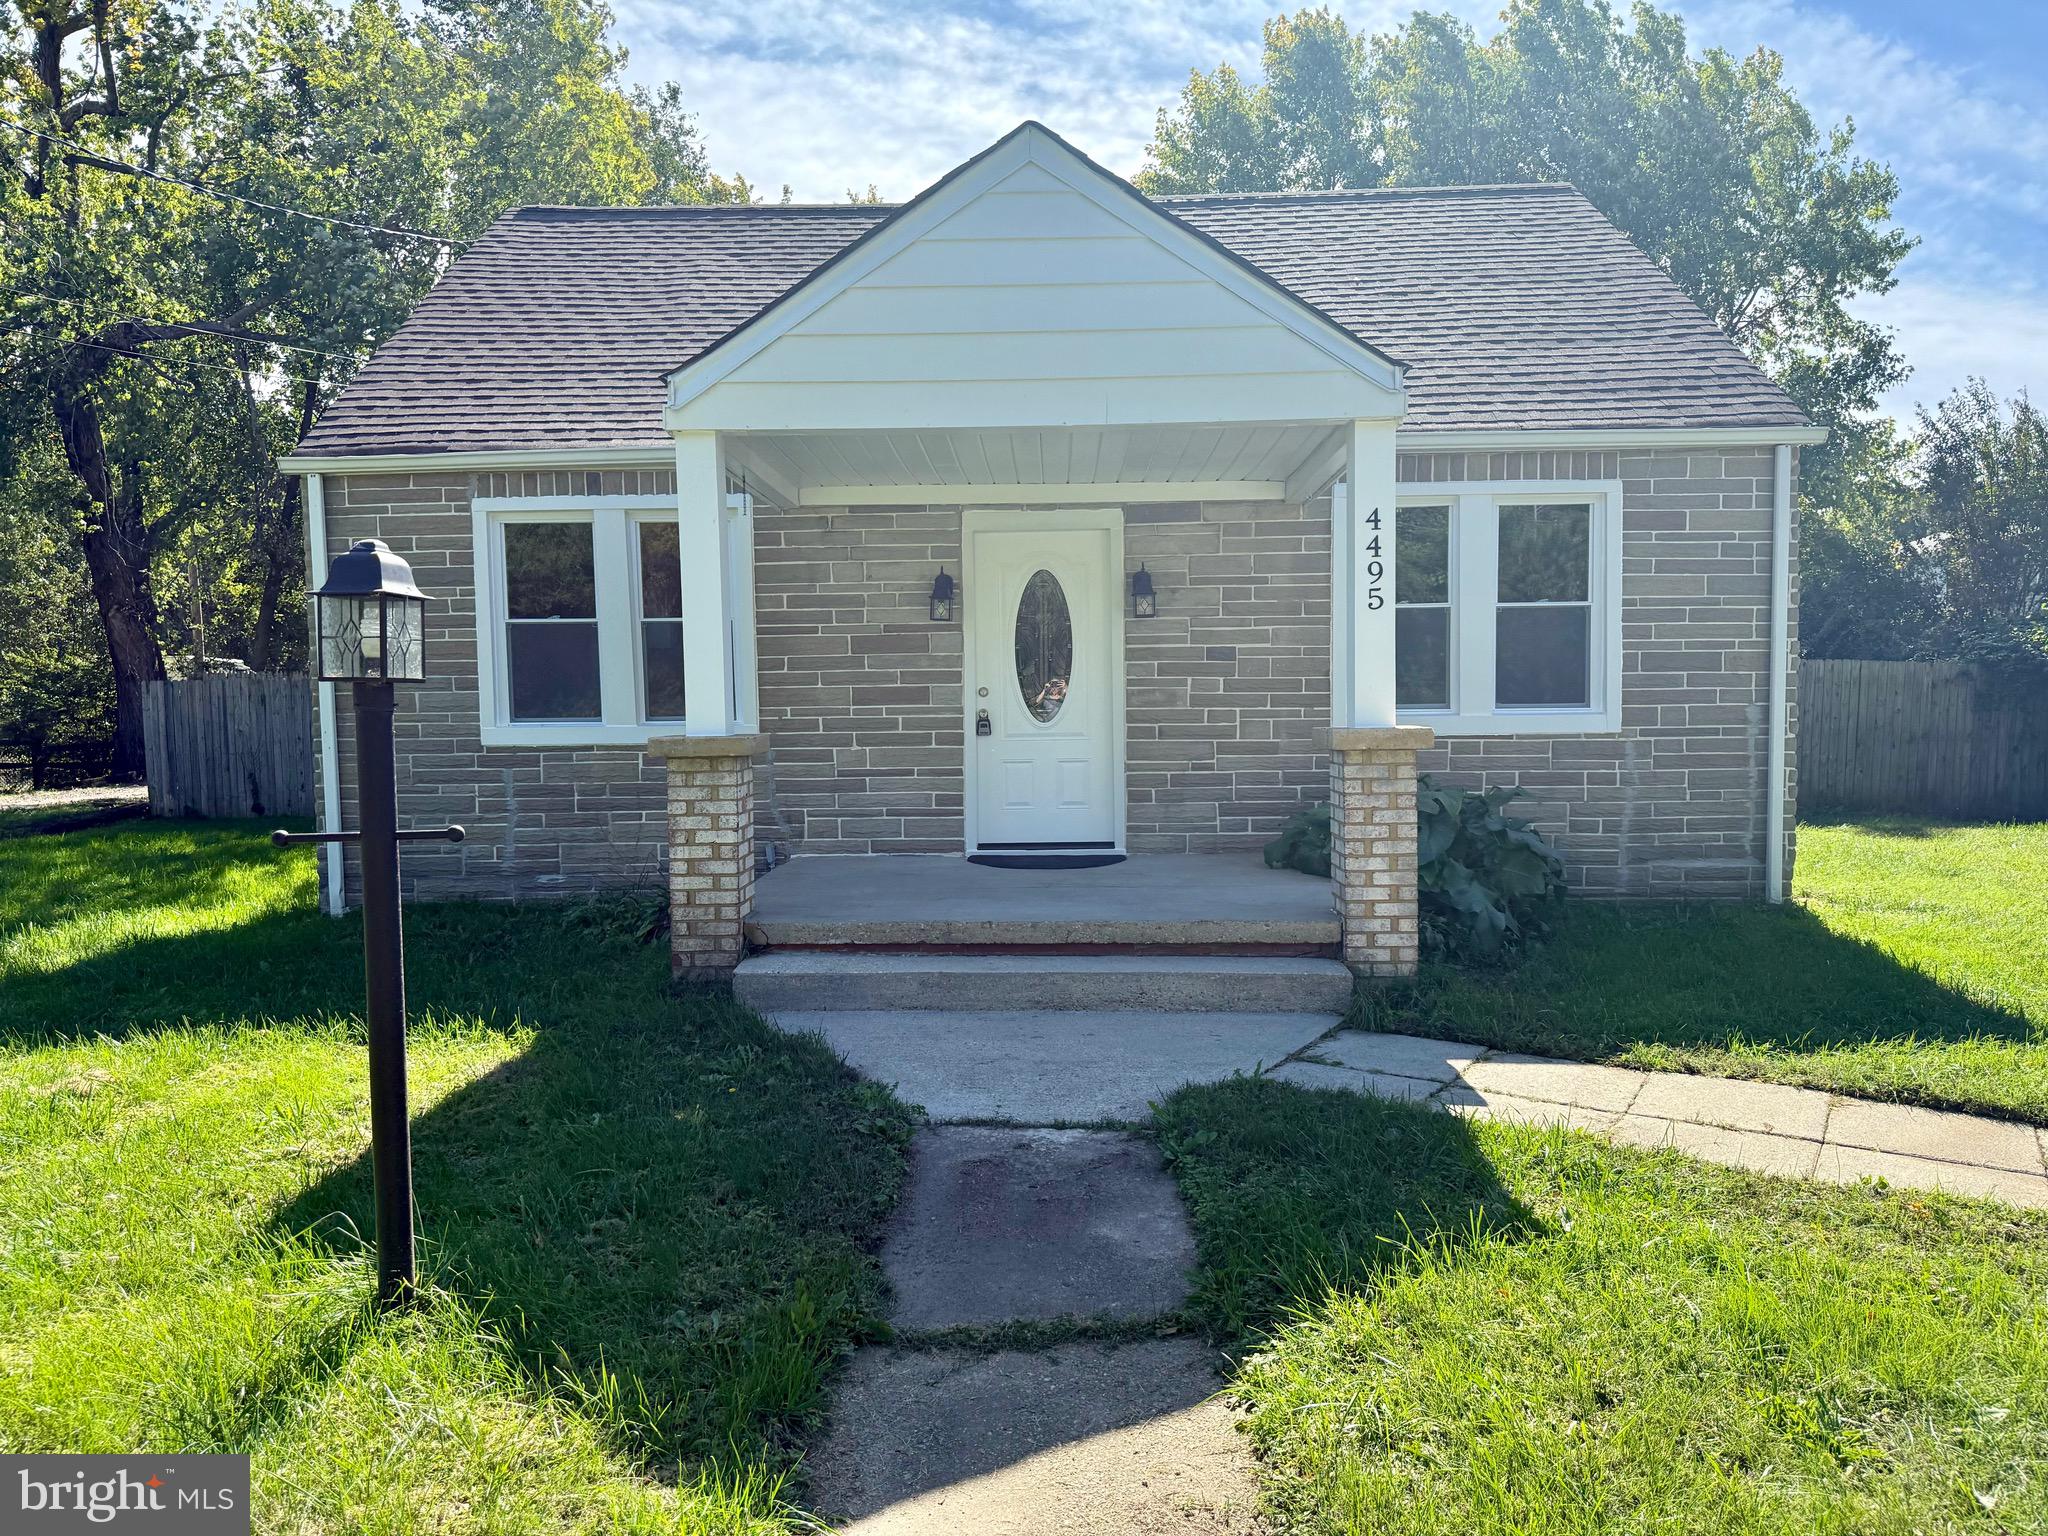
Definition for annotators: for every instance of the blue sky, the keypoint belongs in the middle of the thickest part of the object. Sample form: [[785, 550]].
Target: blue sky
[[830, 94]]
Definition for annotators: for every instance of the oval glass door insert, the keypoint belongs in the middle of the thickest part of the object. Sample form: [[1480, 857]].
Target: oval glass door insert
[[1045, 645]]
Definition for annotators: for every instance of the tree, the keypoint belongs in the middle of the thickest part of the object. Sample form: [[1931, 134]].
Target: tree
[[1980, 476], [1862, 591], [1709, 163], [206, 227]]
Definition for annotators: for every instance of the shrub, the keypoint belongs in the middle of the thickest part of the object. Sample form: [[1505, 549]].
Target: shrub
[[1303, 843], [1483, 878]]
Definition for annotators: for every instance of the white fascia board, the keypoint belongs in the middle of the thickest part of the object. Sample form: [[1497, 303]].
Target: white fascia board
[[1028, 146], [487, 459], [1610, 439], [1099, 493]]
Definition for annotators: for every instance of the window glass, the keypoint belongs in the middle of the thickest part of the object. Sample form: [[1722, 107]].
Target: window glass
[[1546, 554], [551, 622], [661, 620], [1045, 645], [1422, 658], [1422, 607], [549, 571], [1422, 555], [1543, 627], [1542, 657]]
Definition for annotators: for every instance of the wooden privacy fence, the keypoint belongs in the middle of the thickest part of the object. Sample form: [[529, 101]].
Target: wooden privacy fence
[[233, 744], [1933, 737]]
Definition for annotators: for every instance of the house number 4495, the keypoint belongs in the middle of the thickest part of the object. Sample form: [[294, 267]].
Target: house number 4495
[[1375, 566]]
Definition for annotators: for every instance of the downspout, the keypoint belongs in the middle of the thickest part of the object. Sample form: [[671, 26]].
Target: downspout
[[330, 778], [1781, 625]]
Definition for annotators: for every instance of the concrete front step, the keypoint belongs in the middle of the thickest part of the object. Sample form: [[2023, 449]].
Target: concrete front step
[[819, 980]]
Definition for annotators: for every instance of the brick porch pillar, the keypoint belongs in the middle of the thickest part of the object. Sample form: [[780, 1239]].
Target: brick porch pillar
[[710, 850], [1372, 844]]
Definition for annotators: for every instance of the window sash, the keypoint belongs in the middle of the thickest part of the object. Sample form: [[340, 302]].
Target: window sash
[[643, 623], [615, 564], [1475, 603]]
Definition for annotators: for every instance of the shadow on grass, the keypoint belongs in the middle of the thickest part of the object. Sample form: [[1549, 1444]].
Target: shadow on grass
[[661, 1206], [1295, 1193], [666, 1214], [1613, 976]]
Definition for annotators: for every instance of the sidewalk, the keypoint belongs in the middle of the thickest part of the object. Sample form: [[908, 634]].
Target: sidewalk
[[1799, 1132]]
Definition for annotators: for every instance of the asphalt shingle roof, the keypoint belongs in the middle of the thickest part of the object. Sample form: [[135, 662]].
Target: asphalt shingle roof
[[1515, 308]]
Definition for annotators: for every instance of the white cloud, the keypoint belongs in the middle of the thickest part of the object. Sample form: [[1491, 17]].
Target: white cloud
[[1951, 333], [828, 97]]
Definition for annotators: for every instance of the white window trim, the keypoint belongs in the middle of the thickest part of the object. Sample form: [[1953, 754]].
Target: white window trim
[[1475, 552], [615, 563]]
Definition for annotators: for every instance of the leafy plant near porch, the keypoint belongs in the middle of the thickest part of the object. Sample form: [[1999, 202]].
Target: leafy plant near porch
[[1483, 877], [1303, 843]]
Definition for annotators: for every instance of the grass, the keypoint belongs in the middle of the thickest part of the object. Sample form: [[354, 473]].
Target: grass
[[1910, 967], [1467, 1328], [645, 1219]]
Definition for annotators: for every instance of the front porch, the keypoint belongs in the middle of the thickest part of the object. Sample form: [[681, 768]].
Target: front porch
[[1205, 903]]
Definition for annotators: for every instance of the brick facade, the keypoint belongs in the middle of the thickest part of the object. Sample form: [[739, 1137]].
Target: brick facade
[[1674, 804], [711, 857], [541, 821], [1373, 866], [861, 693]]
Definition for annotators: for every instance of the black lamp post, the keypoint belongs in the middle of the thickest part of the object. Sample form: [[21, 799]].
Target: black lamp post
[[369, 632]]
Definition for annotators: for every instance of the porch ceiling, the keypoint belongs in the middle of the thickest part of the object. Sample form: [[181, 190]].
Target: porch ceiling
[[1252, 462]]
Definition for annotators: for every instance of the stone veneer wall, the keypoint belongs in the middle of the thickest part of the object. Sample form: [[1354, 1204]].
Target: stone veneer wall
[[1674, 805], [861, 692], [541, 821]]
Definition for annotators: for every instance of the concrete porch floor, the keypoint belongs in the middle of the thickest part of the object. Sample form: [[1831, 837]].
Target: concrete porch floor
[[1149, 900]]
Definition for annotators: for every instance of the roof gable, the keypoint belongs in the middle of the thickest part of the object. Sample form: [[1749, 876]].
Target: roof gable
[[1032, 288]]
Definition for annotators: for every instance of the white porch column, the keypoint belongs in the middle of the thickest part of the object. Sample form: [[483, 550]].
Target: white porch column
[[705, 532], [1372, 761], [710, 766], [1362, 577]]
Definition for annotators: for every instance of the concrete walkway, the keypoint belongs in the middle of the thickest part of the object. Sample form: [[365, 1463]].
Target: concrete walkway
[[938, 1433], [1798, 1132]]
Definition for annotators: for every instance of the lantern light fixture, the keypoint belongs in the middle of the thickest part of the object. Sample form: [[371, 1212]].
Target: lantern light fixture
[[942, 598], [1144, 603], [369, 620]]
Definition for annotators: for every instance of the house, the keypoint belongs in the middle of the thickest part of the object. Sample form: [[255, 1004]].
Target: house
[[1035, 520]]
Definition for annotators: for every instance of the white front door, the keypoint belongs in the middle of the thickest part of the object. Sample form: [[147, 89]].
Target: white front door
[[1045, 679]]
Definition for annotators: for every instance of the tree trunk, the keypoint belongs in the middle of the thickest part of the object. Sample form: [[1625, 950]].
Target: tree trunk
[[116, 547]]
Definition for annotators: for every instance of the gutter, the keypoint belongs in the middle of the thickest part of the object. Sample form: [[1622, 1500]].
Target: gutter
[[330, 754], [1781, 665]]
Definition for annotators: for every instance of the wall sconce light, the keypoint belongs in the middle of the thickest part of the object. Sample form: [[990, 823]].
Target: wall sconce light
[[942, 598], [1143, 604]]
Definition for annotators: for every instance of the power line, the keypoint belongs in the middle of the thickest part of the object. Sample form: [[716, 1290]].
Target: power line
[[92, 156], [190, 328]]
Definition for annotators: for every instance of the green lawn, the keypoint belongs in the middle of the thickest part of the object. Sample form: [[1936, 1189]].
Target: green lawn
[[1912, 966], [645, 1220], [1483, 1328]]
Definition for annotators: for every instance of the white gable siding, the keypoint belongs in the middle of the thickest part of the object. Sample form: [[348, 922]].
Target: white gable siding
[[1039, 300]]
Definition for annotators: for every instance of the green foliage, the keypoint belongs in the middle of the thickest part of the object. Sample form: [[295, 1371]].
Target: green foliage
[[1909, 968], [166, 345], [1465, 1327], [55, 691], [1980, 475], [1303, 843], [647, 1220], [1710, 163], [1483, 878]]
